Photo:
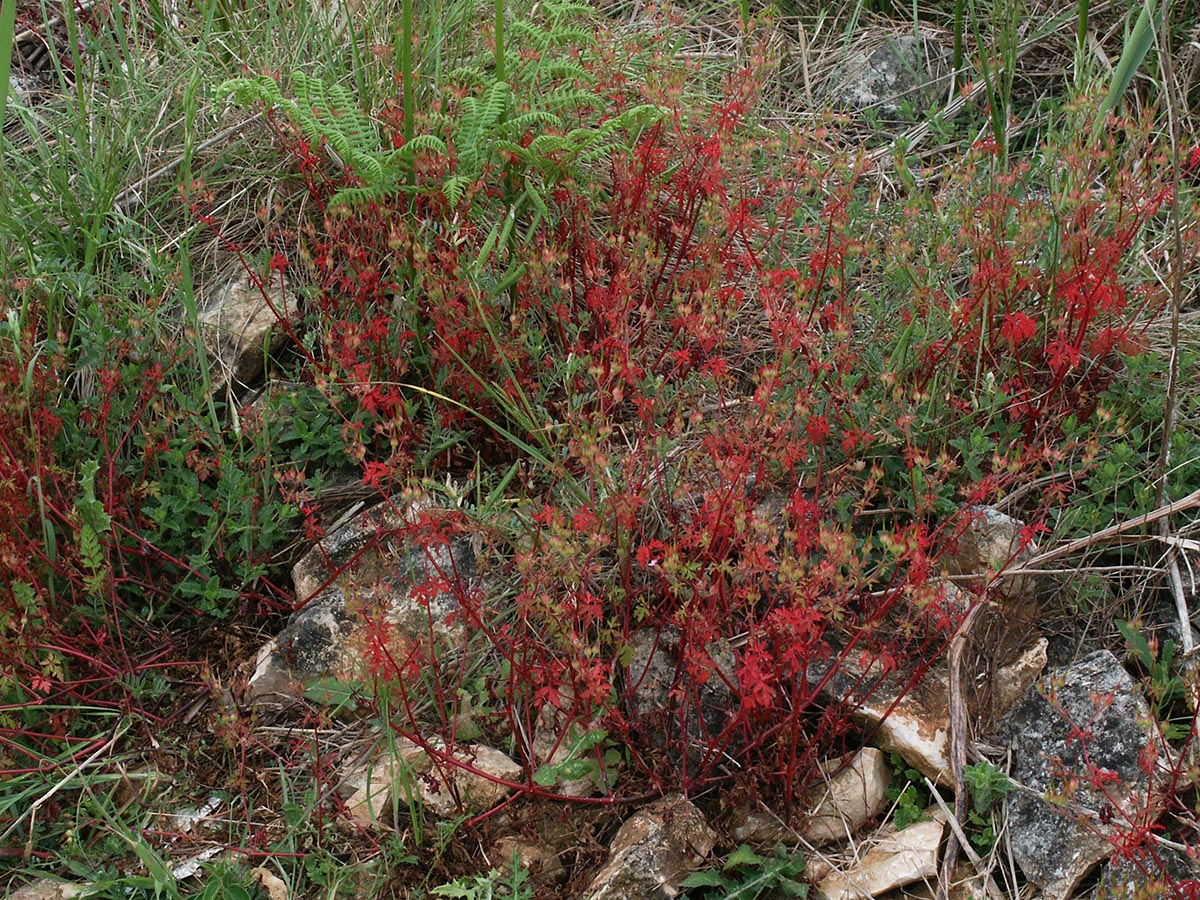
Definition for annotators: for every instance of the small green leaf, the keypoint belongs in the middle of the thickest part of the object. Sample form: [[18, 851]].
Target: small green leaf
[[705, 878], [743, 857], [546, 775]]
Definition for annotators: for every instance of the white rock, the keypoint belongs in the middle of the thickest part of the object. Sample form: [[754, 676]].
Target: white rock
[[48, 889], [376, 787], [850, 798], [238, 321], [449, 789], [914, 727], [987, 543], [1012, 681], [895, 860]]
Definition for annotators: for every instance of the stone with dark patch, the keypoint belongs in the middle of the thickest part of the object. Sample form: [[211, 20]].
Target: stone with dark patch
[[890, 74], [380, 590], [1078, 740]]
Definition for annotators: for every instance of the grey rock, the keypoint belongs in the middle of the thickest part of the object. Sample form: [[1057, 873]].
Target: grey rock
[[1148, 872], [534, 857], [887, 71], [374, 595], [1087, 720], [20, 88], [657, 672], [469, 780]]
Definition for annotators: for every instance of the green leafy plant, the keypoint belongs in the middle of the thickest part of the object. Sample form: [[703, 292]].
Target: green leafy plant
[[745, 875], [1167, 690], [987, 784], [494, 885], [907, 792], [521, 134], [592, 755]]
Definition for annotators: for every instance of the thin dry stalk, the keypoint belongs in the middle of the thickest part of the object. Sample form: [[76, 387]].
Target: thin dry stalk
[[1171, 94]]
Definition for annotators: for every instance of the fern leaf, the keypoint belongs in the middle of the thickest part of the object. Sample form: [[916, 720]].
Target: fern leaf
[[248, 91], [466, 75], [421, 143], [545, 145], [454, 187], [495, 103], [360, 196], [526, 121]]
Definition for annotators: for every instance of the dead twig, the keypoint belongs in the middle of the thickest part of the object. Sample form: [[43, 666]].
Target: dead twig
[[1111, 533], [958, 745], [1171, 93]]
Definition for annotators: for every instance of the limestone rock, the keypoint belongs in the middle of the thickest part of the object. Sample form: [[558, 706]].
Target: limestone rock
[[1149, 872], [1088, 723], [888, 71], [276, 887], [373, 598], [987, 543], [850, 798], [469, 782], [653, 852], [467, 779], [48, 889], [758, 825], [537, 859], [913, 722], [239, 324], [1013, 680], [894, 860], [387, 781], [571, 747]]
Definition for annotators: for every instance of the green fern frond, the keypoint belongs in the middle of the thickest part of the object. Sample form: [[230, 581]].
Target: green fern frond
[[495, 103], [421, 143], [570, 37], [360, 196], [566, 71], [566, 9], [249, 91], [572, 98], [545, 145], [454, 187], [465, 76], [542, 38], [640, 116], [533, 119], [369, 168]]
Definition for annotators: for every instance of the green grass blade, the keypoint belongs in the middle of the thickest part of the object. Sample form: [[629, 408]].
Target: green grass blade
[[1137, 45], [8, 16]]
